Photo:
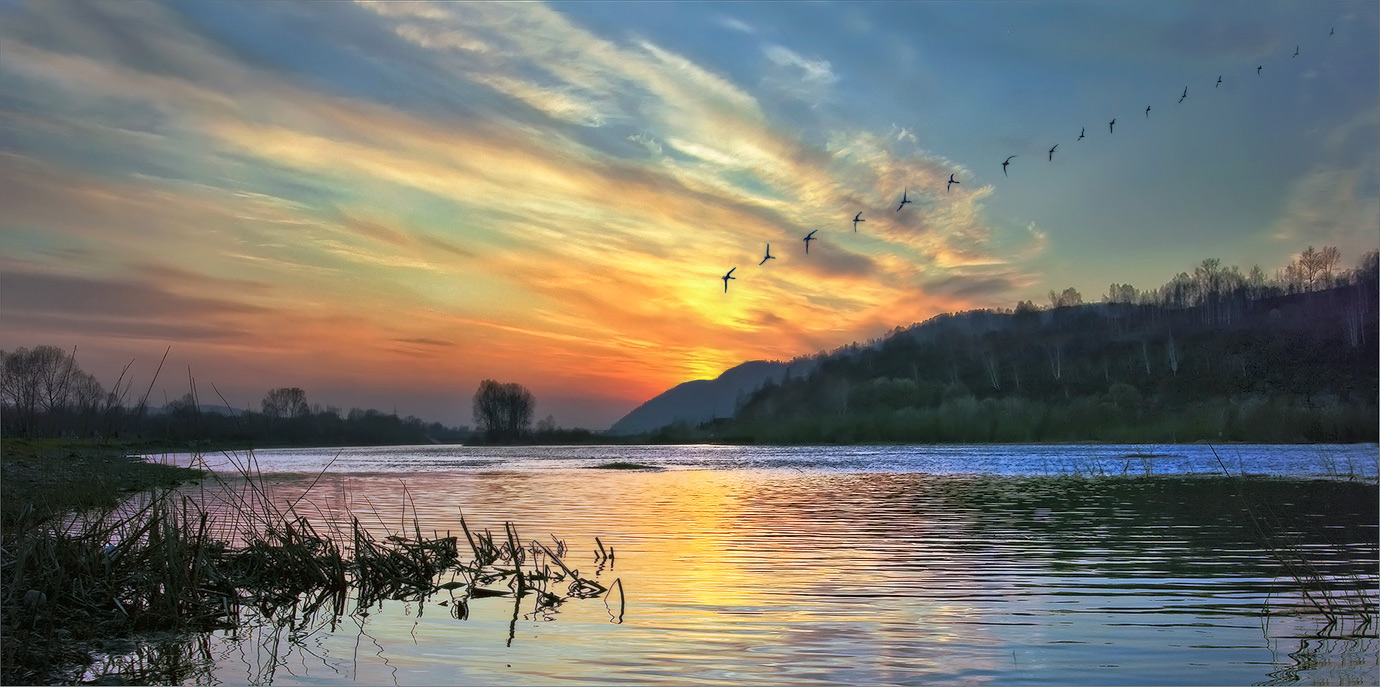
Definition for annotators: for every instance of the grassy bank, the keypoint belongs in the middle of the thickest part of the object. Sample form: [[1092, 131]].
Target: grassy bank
[[43, 482], [140, 565], [44, 478]]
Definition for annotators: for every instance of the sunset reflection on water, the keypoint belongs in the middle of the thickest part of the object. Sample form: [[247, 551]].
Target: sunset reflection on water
[[782, 575]]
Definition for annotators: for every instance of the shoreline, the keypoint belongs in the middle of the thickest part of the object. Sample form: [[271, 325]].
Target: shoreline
[[53, 477]]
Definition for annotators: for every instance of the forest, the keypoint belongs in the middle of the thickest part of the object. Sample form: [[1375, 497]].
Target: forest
[[1214, 354]]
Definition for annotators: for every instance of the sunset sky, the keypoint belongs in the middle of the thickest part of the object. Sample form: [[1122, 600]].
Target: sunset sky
[[385, 203]]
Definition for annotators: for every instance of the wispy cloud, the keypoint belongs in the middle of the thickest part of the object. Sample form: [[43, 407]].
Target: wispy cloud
[[1330, 206], [528, 213], [797, 75], [735, 24]]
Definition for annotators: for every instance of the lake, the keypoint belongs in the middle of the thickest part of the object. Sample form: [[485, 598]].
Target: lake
[[859, 565]]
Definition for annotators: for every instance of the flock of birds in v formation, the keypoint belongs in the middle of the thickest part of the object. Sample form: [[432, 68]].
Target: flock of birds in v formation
[[905, 200]]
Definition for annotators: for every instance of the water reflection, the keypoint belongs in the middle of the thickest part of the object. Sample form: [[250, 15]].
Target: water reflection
[[771, 576]]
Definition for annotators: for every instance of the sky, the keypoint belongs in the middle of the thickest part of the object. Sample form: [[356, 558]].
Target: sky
[[385, 203]]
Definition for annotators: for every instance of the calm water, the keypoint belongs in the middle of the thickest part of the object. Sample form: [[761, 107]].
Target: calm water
[[872, 565]]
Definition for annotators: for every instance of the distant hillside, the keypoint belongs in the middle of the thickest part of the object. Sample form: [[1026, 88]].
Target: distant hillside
[[1213, 355], [702, 400], [1300, 367]]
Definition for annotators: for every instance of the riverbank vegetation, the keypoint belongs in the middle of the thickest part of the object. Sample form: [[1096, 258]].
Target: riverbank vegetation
[[78, 583]]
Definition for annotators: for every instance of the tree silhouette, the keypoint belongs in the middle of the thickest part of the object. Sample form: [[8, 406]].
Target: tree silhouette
[[286, 402], [503, 412]]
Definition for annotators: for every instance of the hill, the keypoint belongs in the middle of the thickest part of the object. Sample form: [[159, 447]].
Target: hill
[[1209, 356], [702, 400]]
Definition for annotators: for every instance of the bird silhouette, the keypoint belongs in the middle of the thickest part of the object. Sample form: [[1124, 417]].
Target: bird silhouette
[[1051, 152], [1296, 51], [1219, 81], [1147, 111], [1111, 127], [1334, 30], [1185, 95], [727, 277], [1004, 164], [898, 207], [808, 238], [1081, 133], [857, 218], [1257, 69], [769, 257], [951, 183]]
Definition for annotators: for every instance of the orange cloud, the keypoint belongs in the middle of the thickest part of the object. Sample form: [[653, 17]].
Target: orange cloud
[[502, 243]]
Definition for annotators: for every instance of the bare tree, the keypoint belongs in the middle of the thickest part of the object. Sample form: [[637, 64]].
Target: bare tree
[[1121, 293], [286, 402], [519, 407], [44, 380], [992, 375], [503, 411], [1055, 352], [1316, 266], [1068, 297], [19, 389]]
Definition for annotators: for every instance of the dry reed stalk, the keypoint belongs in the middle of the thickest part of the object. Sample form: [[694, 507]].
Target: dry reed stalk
[[159, 561], [617, 582]]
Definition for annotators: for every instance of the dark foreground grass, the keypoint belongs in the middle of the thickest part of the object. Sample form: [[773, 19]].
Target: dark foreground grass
[[77, 583], [45, 478]]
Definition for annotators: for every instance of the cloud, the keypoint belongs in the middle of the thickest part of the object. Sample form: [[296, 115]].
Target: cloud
[[504, 205], [734, 24], [1037, 242], [810, 71], [559, 103], [420, 341], [118, 306], [648, 142], [978, 288], [798, 76], [1330, 205]]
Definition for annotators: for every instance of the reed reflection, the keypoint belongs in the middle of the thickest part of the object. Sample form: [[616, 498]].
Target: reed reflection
[[764, 576]]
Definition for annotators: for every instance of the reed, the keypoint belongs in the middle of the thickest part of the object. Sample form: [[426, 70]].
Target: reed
[[162, 562], [1336, 600]]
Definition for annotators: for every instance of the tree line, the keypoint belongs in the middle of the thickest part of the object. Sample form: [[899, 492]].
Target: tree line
[[45, 393]]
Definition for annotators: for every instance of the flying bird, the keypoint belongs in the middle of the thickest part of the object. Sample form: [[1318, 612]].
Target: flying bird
[[1296, 51], [1051, 152], [898, 207], [1004, 164], [1081, 133], [951, 183], [1185, 95], [1334, 30], [1219, 81], [857, 218], [727, 277], [1147, 111], [1257, 69], [808, 238], [1111, 127], [769, 257]]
